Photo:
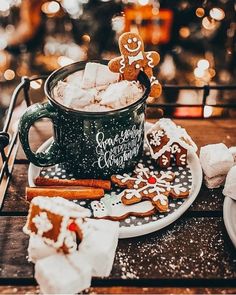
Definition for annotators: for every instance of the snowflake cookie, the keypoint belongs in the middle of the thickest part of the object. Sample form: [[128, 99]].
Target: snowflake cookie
[[156, 186]]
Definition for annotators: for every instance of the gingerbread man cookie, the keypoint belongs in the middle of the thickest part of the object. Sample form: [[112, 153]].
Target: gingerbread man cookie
[[111, 207], [153, 185], [133, 59]]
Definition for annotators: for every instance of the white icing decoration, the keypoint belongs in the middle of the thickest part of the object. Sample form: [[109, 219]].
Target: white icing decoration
[[122, 64], [156, 137], [175, 135], [175, 149], [164, 159], [162, 184], [154, 82], [178, 189], [183, 159], [104, 208], [137, 66], [70, 241], [42, 223], [135, 49], [150, 60], [162, 199], [137, 57]]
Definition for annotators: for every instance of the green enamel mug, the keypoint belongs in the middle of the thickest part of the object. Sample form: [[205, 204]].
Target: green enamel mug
[[87, 144]]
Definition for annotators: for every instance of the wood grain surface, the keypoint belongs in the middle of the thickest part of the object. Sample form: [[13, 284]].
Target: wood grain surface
[[196, 248], [192, 256]]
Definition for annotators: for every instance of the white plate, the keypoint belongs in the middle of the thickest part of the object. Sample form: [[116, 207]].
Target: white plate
[[140, 226], [229, 215]]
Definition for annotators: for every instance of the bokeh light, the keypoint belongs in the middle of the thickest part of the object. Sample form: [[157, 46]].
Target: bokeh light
[[207, 112], [200, 12], [184, 32], [203, 64], [208, 23], [51, 7], [143, 2], [9, 74], [217, 13], [199, 73]]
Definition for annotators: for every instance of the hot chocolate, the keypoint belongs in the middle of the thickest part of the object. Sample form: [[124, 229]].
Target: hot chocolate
[[97, 89]]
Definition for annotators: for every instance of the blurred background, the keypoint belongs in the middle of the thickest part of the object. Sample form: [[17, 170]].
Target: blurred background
[[196, 41]]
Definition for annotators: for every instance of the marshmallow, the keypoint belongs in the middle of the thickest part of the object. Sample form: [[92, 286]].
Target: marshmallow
[[96, 108], [232, 150], [59, 90], [215, 159], [38, 249], [105, 77], [214, 182], [75, 97], [98, 75], [120, 94], [75, 78], [63, 274], [230, 184], [99, 245]]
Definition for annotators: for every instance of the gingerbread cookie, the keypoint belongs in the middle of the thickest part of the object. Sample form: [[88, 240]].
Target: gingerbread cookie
[[111, 207], [57, 221], [165, 139], [153, 185], [133, 59]]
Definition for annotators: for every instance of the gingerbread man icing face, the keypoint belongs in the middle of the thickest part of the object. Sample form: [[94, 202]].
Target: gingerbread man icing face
[[131, 44], [133, 59]]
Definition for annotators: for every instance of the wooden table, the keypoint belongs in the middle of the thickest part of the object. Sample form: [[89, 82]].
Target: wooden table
[[192, 255]]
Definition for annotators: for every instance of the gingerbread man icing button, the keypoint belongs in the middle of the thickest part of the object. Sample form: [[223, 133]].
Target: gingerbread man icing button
[[133, 59]]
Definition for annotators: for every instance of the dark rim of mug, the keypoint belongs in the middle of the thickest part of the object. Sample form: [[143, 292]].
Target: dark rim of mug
[[78, 66]]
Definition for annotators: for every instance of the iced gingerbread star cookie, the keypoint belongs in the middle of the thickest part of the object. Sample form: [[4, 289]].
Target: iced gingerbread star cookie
[[133, 59], [152, 185]]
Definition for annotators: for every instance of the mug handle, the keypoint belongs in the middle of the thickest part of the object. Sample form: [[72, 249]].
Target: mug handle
[[33, 113]]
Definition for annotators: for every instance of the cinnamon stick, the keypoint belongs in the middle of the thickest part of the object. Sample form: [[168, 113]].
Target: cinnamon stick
[[99, 183], [70, 193]]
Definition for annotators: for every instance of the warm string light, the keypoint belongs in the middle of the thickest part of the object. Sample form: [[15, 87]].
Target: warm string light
[[51, 7], [3, 43], [203, 70], [184, 32], [73, 7], [217, 13], [200, 12], [203, 64], [9, 74], [208, 23]]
